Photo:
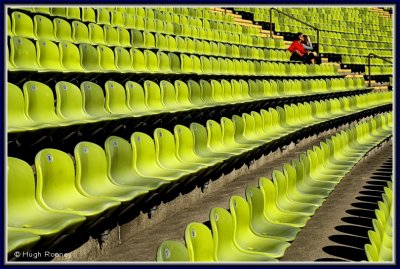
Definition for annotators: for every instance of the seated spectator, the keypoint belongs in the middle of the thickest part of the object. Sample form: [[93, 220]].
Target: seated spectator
[[307, 44], [299, 53]]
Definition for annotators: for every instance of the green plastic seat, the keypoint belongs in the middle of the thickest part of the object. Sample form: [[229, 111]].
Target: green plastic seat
[[199, 242], [48, 56], [172, 251], [80, 32], [116, 99], [129, 21], [69, 105], [111, 35], [96, 34], [42, 10], [226, 133], [73, 13], [151, 61], [89, 58], [70, 58], [245, 237], [152, 94], [217, 141], [145, 159], [137, 60], [88, 14], [58, 193], [62, 30], [16, 117], [43, 28], [262, 226], [117, 18], [166, 153], [169, 96], [94, 101], [92, 179], [39, 104], [122, 60], [137, 39], [58, 11], [124, 38], [18, 240], [120, 168], [27, 214], [225, 248], [136, 99], [22, 25], [106, 59], [23, 54], [103, 16]]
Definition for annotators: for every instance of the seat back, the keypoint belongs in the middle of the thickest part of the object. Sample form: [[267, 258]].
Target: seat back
[[69, 103], [23, 53], [70, 57], [199, 242], [93, 99], [172, 251], [115, 98]]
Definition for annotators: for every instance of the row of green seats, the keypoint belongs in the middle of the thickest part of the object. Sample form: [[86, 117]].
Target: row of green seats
[[354, 51], [36, 108], [355, 44], [379, 70], [261, 228], [66, 57], [346, 59], [349, 36], [380, 246], [91, 191]]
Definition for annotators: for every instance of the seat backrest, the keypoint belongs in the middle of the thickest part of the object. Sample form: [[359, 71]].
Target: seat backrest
[[55, 178], [93, 99], [62, 30], [122, 59], [111, 35], [22, 25], [135, 96], [70, 57], [199, 242], [15, 105], [200, 138], [43, 27], [115, 98], [240, 212], [20, 190], [80, 32], [48, 55], [152, 94], [39, 102], [96, 34], [144, 152], [91, 167], [222, 230], [214, 135], [89, 57], [164, 142], [23, 53], [172, 251], [69, 103], [168, 95]]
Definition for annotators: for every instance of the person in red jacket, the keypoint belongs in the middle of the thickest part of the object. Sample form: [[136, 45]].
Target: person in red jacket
[[298, 51]]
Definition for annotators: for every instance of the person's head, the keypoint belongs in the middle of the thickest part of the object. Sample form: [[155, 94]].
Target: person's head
[[298, 37], [306, 39]]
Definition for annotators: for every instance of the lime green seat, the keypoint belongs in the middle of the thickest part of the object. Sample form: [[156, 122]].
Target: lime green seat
[[169, 96], [43, 28], [92, 179], [89, 58], [122, 60], [262, 226], [136, 98], [22, 25], [18, 240], [27, 214], [145, 159], [106, 59], [70, 57], [152, 94], [96, 34], [124, 38], [245, 237], [80, 32], [116, 99], [39, 104], [120, 168], [73, 13], [48, 56], [199, 242], [94, 100], [23, 54], [111, 35], [225, 248], [62, 30], [69, 105], [16, 117], [137, 60], [166, 153], [172, 251], [56, 190]]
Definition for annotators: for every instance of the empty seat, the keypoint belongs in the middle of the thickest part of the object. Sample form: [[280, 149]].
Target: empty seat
[[62, 30], [172, 251], [43, 28], [23, 54], [22, 25]]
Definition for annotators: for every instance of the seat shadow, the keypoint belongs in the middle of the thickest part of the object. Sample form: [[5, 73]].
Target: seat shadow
[[372, 193], [377, 183], [350, 240], [384, 178], [358, 221], [353, 230], [365, 206], [331, 260], [349, 253], [370, 199], [361, 213]]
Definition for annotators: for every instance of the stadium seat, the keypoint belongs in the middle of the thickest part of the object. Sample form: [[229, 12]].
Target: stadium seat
[[199, 242], [80, 32], [62, 30], [23, 54], [70, 57], [43, 28], [172, 251], [48, 56], [18, 240], [22, 25]]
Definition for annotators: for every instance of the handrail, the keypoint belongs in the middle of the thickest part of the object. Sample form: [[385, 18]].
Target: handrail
[[294, 18], [369, 65]]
